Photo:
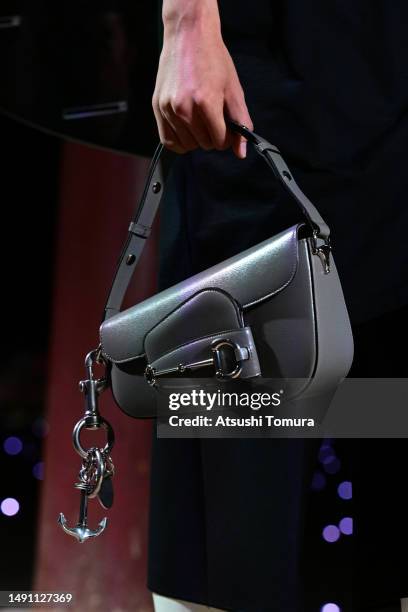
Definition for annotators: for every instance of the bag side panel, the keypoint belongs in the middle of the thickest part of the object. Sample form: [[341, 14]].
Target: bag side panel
[[130, 390], [334, 334]]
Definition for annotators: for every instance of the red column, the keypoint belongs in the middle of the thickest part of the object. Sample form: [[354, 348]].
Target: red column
[[99, 190]]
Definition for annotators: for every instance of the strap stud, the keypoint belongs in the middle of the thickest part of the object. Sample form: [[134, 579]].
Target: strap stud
[[156, 187], [130, 259]]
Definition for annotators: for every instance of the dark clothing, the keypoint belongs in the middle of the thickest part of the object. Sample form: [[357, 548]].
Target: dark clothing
[[380, 484], [327, 83], [232, 522]]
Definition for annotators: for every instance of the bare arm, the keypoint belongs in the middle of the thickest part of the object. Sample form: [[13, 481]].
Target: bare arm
[[196, 81]]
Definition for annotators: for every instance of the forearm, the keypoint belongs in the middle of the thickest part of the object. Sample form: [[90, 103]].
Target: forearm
[[186, 14]]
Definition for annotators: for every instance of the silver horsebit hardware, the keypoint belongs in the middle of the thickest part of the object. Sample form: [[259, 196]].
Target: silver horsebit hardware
[[95, 475], [220, 349]]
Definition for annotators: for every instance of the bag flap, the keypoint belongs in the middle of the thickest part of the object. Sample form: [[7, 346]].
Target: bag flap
[[249, 277], [190, 321]]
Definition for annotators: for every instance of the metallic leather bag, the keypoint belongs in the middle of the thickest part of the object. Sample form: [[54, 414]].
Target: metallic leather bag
[[275, 310]]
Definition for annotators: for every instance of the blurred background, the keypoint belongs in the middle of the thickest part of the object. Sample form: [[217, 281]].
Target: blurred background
[[77, 132]]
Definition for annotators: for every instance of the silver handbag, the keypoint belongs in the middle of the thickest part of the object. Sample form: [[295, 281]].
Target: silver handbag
[[275, 310]]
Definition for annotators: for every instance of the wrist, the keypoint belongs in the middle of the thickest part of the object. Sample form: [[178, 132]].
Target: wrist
[[184, 15]]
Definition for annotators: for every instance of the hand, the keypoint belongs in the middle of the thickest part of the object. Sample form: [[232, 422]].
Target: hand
[[196, 85]]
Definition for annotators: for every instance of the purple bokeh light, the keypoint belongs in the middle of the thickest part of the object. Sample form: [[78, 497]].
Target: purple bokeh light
[[331, 533], [346, 525], [332, 466], [318, 481], [9, 506], [326, 454], [38, 470], [12, 445], [330, 607], [326, 442], [345, 490]]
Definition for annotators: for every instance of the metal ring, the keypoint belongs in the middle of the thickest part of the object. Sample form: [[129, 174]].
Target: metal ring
[[100, 474], [220, 374], [91, 358], [77, 431], [149, 375]]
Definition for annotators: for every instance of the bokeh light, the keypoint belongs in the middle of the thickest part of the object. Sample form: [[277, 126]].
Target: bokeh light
[[326, 454], [326, 442], [332, 466], [9, 506], [345, 490], [38, 470], [331, 533], [318, 481], [346, 525], [12, 445], [330, 607]]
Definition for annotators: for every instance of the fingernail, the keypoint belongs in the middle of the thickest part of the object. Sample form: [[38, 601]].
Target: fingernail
[[243, 148]]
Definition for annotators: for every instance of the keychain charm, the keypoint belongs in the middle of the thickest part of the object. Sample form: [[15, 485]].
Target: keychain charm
[[81, 531], [105, 494], [95, 475]]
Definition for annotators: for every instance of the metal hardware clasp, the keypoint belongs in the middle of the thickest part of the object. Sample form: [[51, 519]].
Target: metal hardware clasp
[[97, 467], [322, 251], [221, 351]]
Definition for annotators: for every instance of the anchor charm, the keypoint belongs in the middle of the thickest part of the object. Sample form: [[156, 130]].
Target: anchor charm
[[82, 532], [97, 464]]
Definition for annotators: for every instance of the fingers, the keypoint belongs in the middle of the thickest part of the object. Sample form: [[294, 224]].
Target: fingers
[[181, 126], [182, 129], [199, 127], [201, 119], [236, 109], [212, 113], [199, 123], [168, 136]]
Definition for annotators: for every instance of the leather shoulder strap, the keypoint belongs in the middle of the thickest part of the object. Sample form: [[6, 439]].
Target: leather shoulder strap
[[140, 226]]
